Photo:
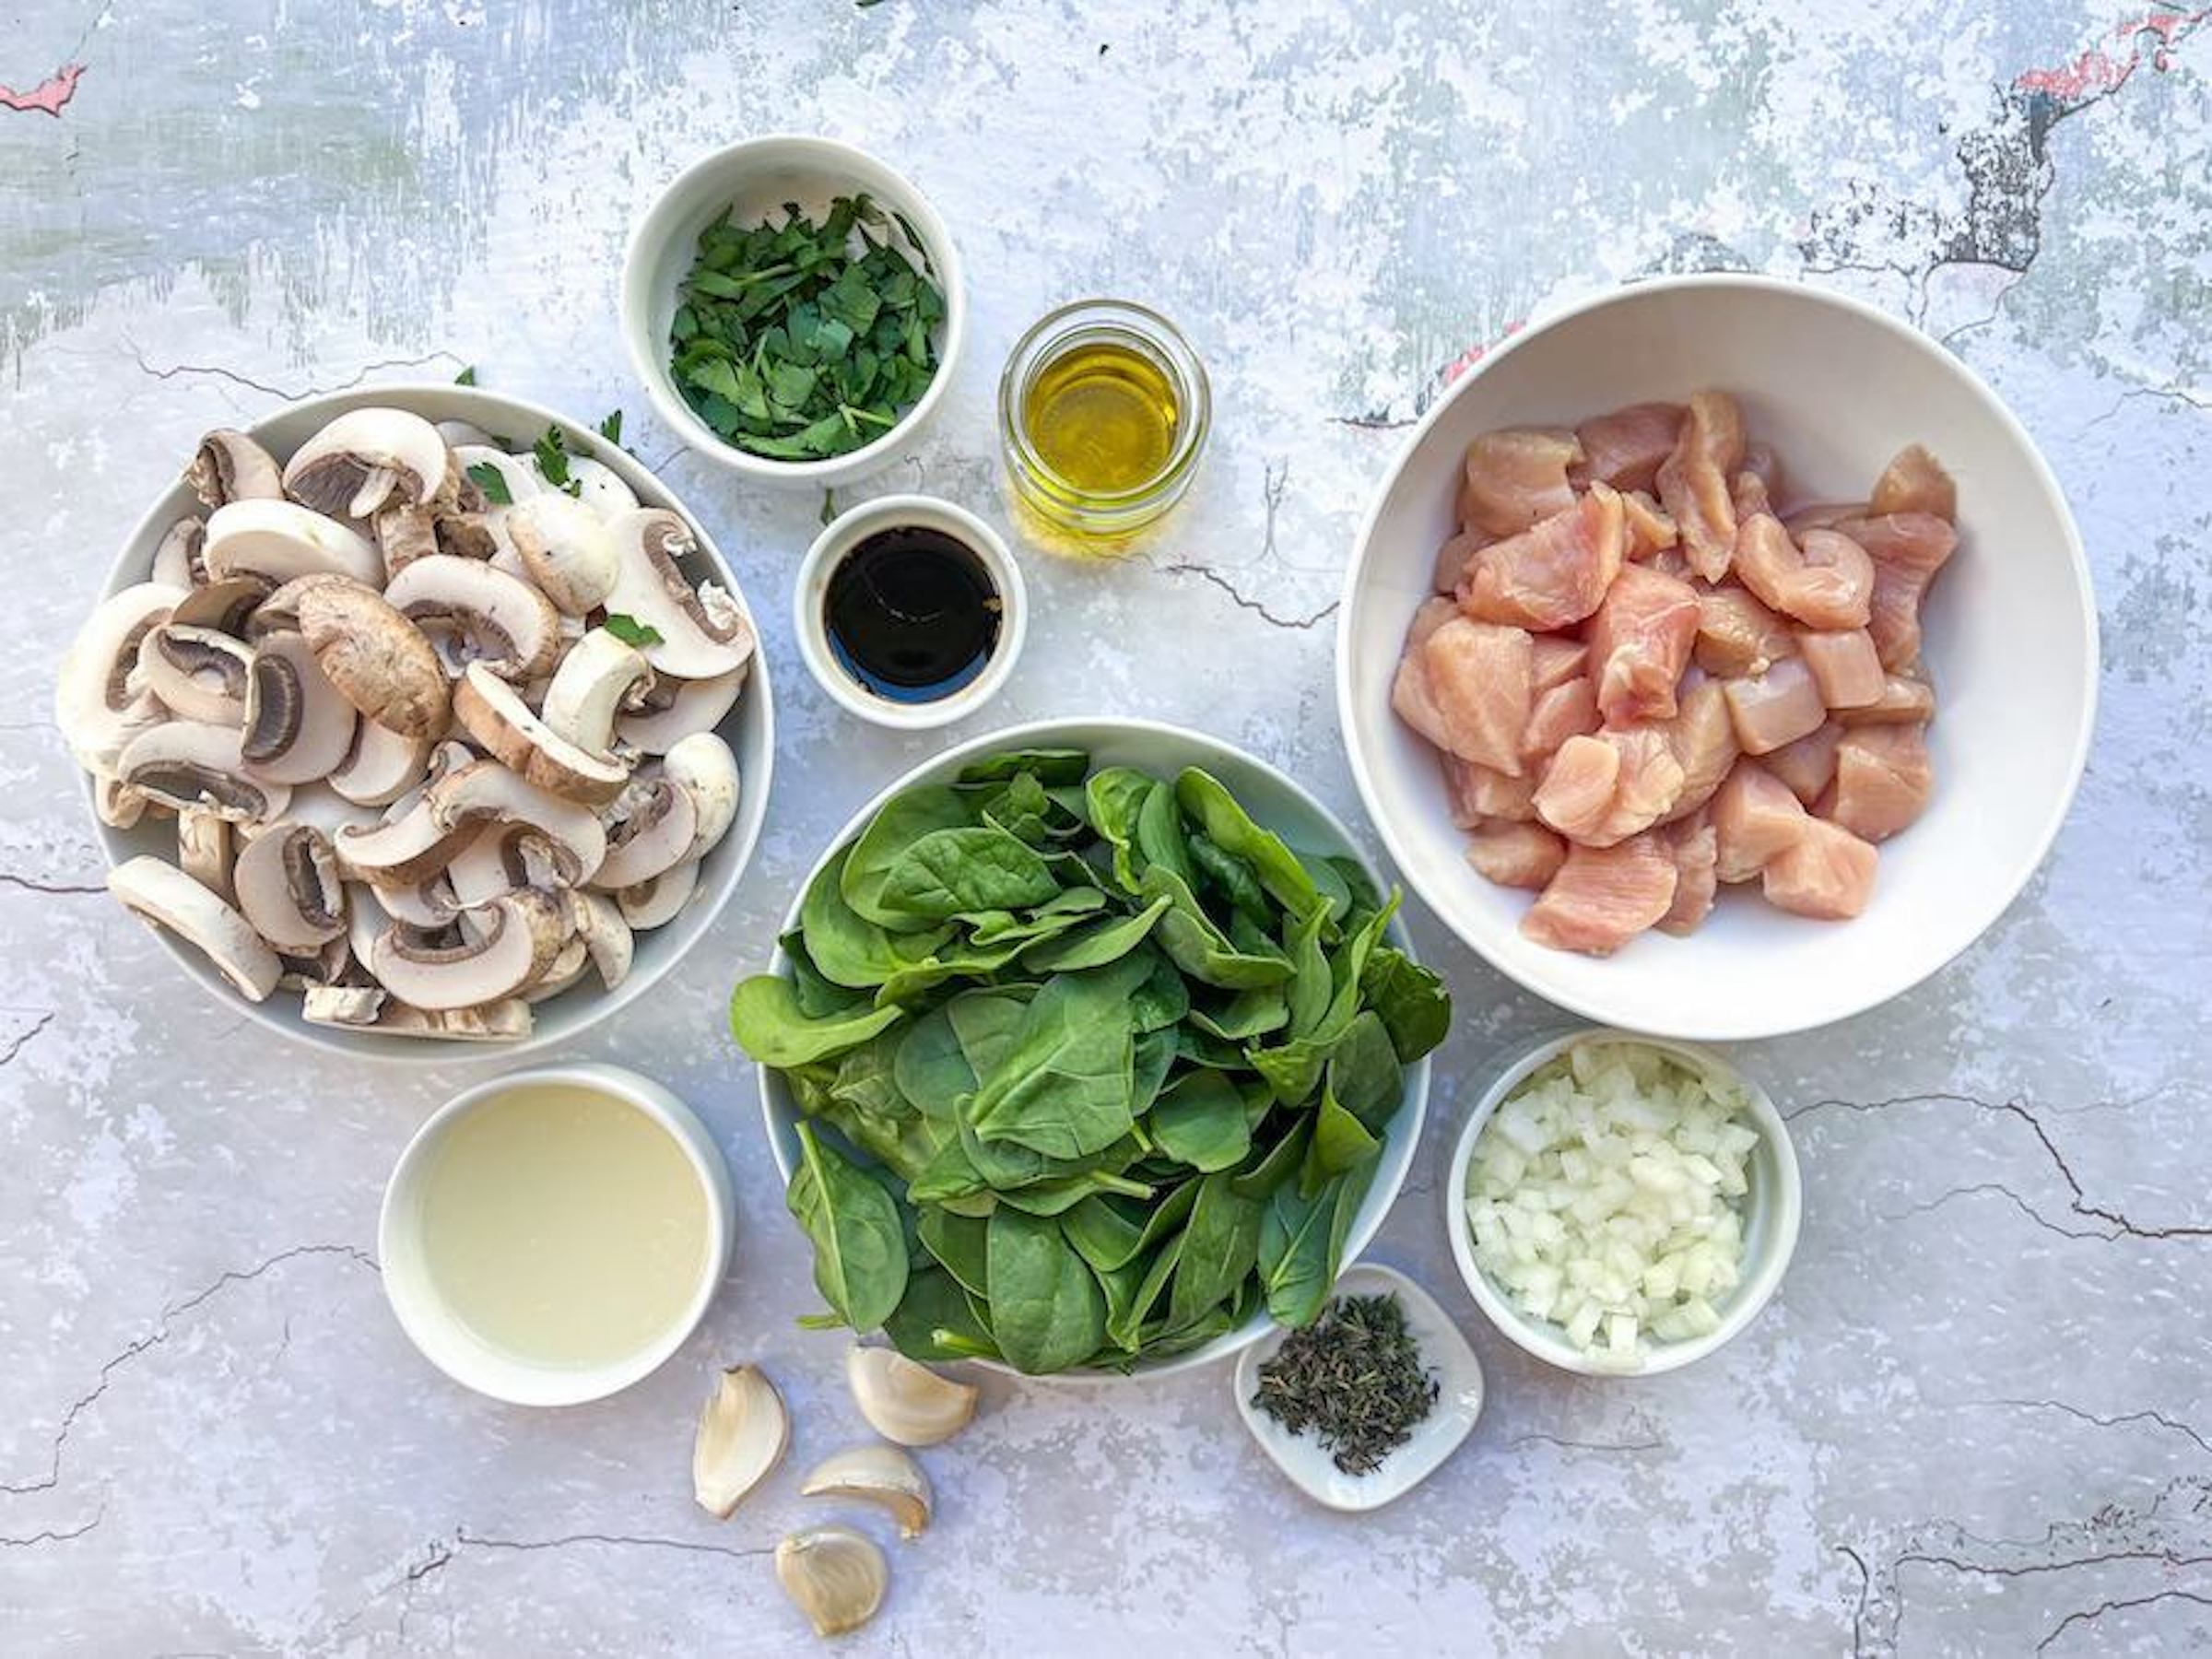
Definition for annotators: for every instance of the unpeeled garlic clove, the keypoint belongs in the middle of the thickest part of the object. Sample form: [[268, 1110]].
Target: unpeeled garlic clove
[[905, 1401], [877, 1474], [742, 1430], [836, 1576]]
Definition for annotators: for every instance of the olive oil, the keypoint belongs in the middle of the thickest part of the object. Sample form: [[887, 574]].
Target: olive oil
[[1103, 416], [912, 614]]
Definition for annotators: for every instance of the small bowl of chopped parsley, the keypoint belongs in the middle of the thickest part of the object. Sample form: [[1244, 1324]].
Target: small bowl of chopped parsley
[[794, 309]]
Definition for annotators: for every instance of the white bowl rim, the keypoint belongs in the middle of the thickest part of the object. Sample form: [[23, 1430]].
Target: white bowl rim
[[736, 849], [1752, 1294], [515, 1381], [832, 470], [1720, 1027], [1413, 1106], [845, 532]]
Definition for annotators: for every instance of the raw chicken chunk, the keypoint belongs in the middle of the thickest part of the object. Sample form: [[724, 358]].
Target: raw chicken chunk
[[1808, 765], [1479, 676], [1827, 872], [1755, 818], [1914, 481], [1748, 494], [1564, 711], [1908, 548], [1602, 897], [1516, 855], [1556, 659], [1650, 531], [1703, 739], [1624, 449], [1694, 479], [1883, 780], [1515, 478], [1640, 642], [1774, 708], [1452, 557], [1552, 575], [1846, 666], [1477, 794], [1907, 699], [1694, 845], [1603, 789], [1826, 584], [1432, 614], [1821, 515], [1738, 635]]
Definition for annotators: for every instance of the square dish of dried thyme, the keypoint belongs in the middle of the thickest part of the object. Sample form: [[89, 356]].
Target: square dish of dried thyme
[[1354, 1378]]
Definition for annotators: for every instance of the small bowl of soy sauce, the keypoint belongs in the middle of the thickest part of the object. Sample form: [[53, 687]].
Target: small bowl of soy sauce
[[910, 611]]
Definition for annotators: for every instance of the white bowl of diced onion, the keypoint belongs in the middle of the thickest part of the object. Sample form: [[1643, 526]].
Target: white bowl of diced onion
[[1629, 1211]]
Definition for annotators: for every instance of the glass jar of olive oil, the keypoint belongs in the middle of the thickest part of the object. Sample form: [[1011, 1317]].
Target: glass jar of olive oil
[[1104, 409]]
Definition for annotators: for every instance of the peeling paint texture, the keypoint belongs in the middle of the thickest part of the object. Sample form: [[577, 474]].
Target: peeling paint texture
[[1978, 1418]]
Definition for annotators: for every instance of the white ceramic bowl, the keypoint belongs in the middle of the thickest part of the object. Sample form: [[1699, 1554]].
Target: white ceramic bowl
[[1276, 803], [1773, 1206], [810, 594], [749, 729], [1837, 387], [753, 179], [445, 1341]]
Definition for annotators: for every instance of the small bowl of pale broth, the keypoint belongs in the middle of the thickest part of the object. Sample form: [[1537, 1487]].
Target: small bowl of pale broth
[[552, 1236]]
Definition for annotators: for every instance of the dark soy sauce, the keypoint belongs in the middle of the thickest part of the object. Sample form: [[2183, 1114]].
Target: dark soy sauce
[[912, 614]]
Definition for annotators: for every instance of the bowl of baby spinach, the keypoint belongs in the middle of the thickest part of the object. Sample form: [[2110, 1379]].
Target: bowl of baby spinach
[[1089, 1047], [795, 310]]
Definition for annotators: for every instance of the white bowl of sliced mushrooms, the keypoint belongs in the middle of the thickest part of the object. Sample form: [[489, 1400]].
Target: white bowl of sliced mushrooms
[[419, 713]]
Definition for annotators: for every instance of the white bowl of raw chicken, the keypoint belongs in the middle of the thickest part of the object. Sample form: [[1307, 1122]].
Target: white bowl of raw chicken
[[607, 474], [2010, 643]]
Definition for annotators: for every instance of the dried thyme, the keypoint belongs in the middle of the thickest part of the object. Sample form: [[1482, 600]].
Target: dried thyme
[[1354, 1378]]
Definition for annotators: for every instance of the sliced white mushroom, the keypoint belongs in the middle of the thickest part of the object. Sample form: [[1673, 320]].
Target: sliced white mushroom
[[368, 459], [230, 466], [185, 763], [327, 810], [478, 614], [675, 709], [203, 850], [364, 1008], [600, 486], [704, 633], [164, 895], [405, 534], [598, 679], [378, 661], [704, 768], [197, 673], [655, 902], [118, 804], [276, 541], [466, 434], [95, 704], [575, 840], [325, 966], [597, 921], [567, 549], [573, 963], [231, 605], [516, 938], [409, 849], [288, 887], [493, 713], [298, 727], [378, 765], [178, 560], [650, 830], [518, 480], [430, 904]]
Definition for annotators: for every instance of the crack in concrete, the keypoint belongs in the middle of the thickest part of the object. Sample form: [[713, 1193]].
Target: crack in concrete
[[2145, 1415], [1275, 484], [464, 1539], [2184, 396], [53, 1534], [31, 884], [45, 1018], [1654, 1444], [1374, 421], [291, 394], [1858, 1613], [2090, 1615], [155, 1339]]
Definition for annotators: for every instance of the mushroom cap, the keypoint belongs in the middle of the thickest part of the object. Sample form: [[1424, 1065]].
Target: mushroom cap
[[278, 540], [367, 1008], [298, 727], [95, 704], [119, 805], [408, 848], [702, 631], [428, 904], [367, 459], [655, 902], [231, 466], [466, 434], [185, 763], [493, 713], [597, 921], [197, 673], [164, 895], [600, 486], [567, 548], [378, 765], [653, 825], [180, 560], [561, 974], [231, 605], [675, 709], [485, 789], [406, 532], [203, 850], [505, 623], [505, 857], [288, 887], [598, 677], [378, 661], [513, 941], [704, 768]]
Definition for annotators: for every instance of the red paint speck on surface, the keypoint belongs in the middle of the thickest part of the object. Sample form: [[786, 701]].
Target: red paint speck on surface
[[2098, 71], [1473, 354], [48, 95]]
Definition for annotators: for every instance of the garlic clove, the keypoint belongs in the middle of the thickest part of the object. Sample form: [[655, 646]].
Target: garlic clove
[[874, 1474], [905, 1401], [742, 1430], [835, 1575]]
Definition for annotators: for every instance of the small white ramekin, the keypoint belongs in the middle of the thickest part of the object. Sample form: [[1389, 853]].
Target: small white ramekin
[[753, 180], [445, 1342], [811, 593], [1774, 1207]]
